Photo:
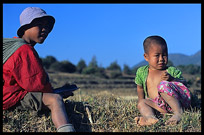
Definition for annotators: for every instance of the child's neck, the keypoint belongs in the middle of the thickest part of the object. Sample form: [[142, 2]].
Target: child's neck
[[32, 43], [153, 69]]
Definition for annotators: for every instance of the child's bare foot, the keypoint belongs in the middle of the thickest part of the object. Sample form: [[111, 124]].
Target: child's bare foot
[[174, 119], [137, 120], [146, 121], [149, 121]]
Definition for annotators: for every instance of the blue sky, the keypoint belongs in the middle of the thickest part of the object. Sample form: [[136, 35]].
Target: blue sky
[[112, 32]]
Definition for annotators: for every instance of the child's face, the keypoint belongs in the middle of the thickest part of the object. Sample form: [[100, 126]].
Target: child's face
[[38, 32], [157, 57]]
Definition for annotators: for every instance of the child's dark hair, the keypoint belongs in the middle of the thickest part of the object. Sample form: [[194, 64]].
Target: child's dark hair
[[153, 39]]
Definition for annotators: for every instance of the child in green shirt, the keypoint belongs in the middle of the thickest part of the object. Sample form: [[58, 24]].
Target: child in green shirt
[[159, 87]]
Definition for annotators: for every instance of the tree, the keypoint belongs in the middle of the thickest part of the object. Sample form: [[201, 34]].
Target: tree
[[93, 62], [92, 67], [89, 70], [114, 70], [190, 69], [56, 66], [114, 66], [48, 61], [101, 72], [126, 70], [134, 70], [64, 66], [68, 67], [80, 66]]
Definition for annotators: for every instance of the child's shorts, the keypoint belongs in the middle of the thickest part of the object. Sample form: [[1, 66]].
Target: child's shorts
[[175, 89], [32, 100]]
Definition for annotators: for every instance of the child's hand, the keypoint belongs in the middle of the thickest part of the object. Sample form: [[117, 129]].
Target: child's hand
[[66, 90], [166, 76]]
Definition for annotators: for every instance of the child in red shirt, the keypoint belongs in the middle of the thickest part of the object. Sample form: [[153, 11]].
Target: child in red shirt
[[25, 82]]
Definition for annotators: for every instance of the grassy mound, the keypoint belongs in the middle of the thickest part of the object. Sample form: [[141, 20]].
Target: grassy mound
[[106, 113]]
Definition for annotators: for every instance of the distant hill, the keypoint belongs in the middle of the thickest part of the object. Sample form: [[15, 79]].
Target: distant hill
[[180, 59]]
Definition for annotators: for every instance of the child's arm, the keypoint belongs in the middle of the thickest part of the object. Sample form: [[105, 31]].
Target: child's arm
[[140, 93]]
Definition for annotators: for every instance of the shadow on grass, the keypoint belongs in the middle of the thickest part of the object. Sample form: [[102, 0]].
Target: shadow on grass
[[195, 101], [78, 116], [16, 118]]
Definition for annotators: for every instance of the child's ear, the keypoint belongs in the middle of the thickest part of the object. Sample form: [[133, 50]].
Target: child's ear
[[146, 56]]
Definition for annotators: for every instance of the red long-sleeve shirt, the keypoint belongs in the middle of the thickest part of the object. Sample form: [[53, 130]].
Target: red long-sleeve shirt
[[22, 73]]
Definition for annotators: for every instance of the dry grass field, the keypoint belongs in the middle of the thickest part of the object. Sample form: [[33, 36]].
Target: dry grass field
[[102, 105]]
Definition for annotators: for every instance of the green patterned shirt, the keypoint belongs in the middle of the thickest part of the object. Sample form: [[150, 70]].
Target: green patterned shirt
[[142, 73]]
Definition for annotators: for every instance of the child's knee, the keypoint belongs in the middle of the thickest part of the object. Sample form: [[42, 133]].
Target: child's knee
[[57, 98], [52, 99]]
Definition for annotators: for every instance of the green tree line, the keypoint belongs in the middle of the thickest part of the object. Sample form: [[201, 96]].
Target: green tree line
[[112, 71]]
